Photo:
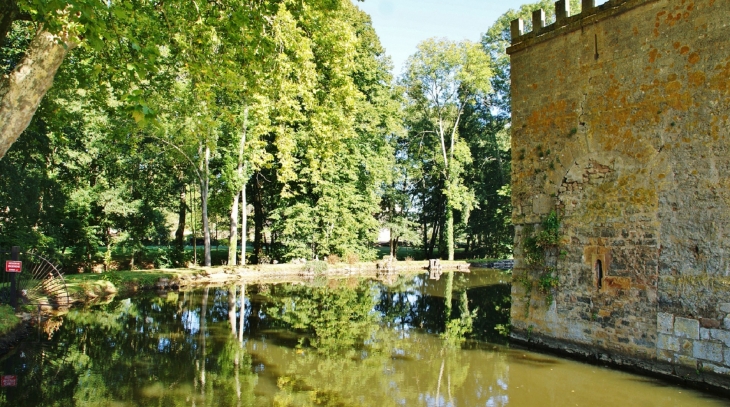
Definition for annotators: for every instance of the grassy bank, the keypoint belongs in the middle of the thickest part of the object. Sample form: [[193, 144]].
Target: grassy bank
[[8, 319], [83, 287]]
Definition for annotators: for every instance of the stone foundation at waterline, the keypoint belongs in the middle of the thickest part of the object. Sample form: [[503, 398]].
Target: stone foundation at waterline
[[688, 342], [620, 125]]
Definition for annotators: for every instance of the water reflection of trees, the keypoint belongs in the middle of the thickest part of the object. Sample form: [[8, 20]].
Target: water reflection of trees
[[393, 356], [429, 305], [332, 317], [350, 342], [139, 352]]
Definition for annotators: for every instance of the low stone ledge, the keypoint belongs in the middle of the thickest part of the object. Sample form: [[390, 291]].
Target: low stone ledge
[[684, 370]]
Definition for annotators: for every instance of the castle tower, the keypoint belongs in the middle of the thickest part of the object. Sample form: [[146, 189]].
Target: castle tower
[[620, 126]]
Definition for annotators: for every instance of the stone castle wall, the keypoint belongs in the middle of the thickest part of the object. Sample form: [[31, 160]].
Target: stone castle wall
[[620, 124]]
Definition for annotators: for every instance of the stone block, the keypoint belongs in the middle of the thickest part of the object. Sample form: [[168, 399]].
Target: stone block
[[726, 323], [517, 28], [667, 342], [705, 334], [538, 20], [726, 353], [724, 307], [707, 351], [665, 323], [709, 323], [542, 204], [686, 328], [686, 346], [617, 283], [665, 355], [562, 10], [587, 5], [721, 335]]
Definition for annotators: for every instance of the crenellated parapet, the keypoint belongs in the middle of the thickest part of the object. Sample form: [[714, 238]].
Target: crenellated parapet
[[564, 21]]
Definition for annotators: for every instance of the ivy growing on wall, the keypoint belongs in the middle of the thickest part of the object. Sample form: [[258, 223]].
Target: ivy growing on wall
[[540, 248]]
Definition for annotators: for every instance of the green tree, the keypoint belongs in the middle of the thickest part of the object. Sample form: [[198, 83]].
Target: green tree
[[486, 129], [440, 80], [155, 97], [330, 111]]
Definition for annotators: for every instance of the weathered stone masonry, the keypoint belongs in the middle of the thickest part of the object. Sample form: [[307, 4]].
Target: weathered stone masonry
[[620, 124]]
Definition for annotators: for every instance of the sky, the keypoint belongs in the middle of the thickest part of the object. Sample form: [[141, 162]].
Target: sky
[[402, 24]]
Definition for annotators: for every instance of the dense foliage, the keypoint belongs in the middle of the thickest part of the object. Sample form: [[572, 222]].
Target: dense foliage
[[172, 124]]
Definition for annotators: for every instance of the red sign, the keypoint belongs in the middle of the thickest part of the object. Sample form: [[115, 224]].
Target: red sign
[[13, 266], [9, 381]]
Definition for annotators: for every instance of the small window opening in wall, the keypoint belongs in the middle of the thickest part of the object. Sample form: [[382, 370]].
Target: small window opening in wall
[[599, 274]]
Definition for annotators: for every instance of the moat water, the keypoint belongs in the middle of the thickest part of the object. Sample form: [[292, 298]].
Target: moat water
[[397, 341]]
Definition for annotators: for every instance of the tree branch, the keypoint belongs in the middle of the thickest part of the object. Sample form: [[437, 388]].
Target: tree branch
[[22, 91], [192, 164]]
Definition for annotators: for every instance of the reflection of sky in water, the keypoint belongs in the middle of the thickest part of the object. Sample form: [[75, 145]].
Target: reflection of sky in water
[[163, 344], [191, 321], [430, 401], [496, 401]]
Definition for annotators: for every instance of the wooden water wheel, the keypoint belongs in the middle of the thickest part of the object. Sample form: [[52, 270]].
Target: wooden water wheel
[[40, 282]]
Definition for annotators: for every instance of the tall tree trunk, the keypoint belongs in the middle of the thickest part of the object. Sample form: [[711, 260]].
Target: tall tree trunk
[[195, 234], [233, 244], [244, 225], [258, 219], [217, 241], [425, 235], [181, 214], [392, 243], [204, 205], [233, 231], [450, 231], [434, 233], [108, 252], [22, 91], [441, 242]]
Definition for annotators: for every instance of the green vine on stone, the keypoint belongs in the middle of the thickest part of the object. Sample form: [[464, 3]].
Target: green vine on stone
[[541, 252], [547, 283]]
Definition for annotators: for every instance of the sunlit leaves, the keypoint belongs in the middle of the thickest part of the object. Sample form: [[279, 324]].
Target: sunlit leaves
[[439, 81]]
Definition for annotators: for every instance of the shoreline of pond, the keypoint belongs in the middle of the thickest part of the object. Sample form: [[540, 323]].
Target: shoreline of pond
[[91, 288], [87, 287]]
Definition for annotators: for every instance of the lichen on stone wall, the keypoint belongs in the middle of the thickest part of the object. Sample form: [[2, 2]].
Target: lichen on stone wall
[[620, 125]]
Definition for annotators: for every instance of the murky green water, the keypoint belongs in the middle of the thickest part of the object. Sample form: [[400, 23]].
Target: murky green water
[[353, 342]]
